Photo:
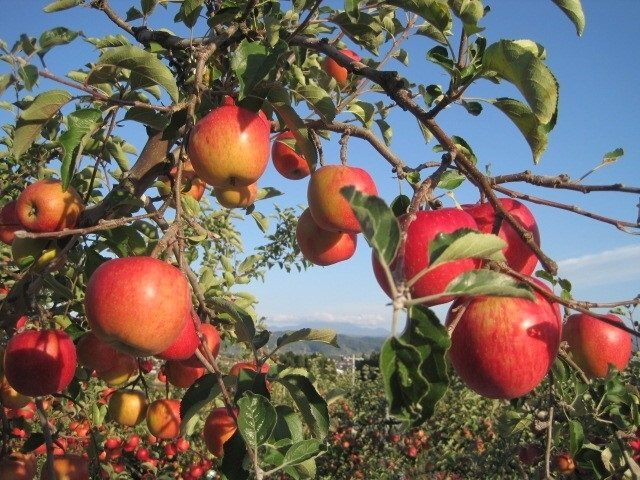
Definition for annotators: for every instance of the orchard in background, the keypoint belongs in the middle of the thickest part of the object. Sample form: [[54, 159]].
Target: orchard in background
[[130, 349]]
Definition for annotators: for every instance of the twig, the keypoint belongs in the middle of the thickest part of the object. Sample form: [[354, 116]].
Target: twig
[[561, 181], [46, 431]]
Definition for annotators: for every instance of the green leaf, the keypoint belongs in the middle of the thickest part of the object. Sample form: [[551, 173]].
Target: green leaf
[[432, 32], [319, 100], [29, 75], [288, 426], [576, 436], [440, 56], [6, 81], [201, 393], [465, 243], [256, 420], [252, 62], [386, 130], [309, 402], [189, 12], [436, 12], [367, 31], [400, 205], [233, 465], [82, 123], [61, 5], [156, 120], [245, 328], [519, 66], [301, 451], [148, 6], [267, 192], [55, 36], [474, 108], [109, 41], [146, 66], [573, 10], [379, 224], [451, 180], [402, 56], [31, 121], [363, 111], [613, 156], [488, 282], [534, 132], [324, 335]]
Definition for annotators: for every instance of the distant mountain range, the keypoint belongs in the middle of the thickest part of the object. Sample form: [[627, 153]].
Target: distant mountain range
[[349, 344], [349, 329]]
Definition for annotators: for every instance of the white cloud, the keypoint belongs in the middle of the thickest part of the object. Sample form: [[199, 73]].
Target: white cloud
[[603, 268]]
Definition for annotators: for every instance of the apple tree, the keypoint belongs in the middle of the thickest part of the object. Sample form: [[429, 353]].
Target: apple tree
[[137, 256]]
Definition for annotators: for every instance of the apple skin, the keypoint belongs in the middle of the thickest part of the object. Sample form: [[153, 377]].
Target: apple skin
[[38, 363], [44, 207], [423, 230], [236, 197], [236, 368], [18, 466], [9, 223], [139, 305], [10, 398], [163, 418], [181, 375], [518, 255], [503, 347], [127, 407], [187, 342], [189, 179], [335, 70], [330, 210], [212, 339], [43, 251], [288, 163], [595, 344], [219, 427], [321, 246], [67, 467], [110, 364], [230, 146]]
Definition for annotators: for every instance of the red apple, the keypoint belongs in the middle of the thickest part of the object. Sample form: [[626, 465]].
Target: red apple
[[187, 342], [38, 363], [564, 463], [594, 344], [502, 347], [330, 210], [191, 184], [139, 305], [218, 428], [18, 466], [110, 364], [45, 207], [338, 72], [518, 255], [212, 339], [10, 398], [421, 232], [236, 368], [9, 223], [287, 161], [321, 246], [163, 418], [236, 196], [230, 146], [181, 375], [68, 467]]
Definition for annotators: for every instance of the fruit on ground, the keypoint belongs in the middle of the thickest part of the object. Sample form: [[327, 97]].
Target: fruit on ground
[[40, 362], [187, 342], [230, 146], [45, 207], [127, 407], [67, 467], [235, 369], [139, 305], [320, 246], [338, 72], [9, 223], [594, 344], [111, 365], [163, 418], [181, 375], [212, 340], [218, 428], [191, 184], [236, 196], [518, 255], [33, 251], [18, 466], [502, 347], [329, 208], [287, 161], [421, 232]]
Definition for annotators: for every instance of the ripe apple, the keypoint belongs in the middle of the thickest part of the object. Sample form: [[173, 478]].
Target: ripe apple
[[564, 463], [230, 146], [181, 375], [110, 364], [38, 363], [236, 196], [187, 342], [127, 407], [139, 305], [34, 251], [9, 223], [518, 255], [191, 184], [329, 208], [421, 232], [163, 418], [18, 466], [212, 339], [320, 246], [338, 72], [218, 428], [45, 207], [502, 347], [67, 467], [287, 161], [235, 369], [594, 344], [10, 398]]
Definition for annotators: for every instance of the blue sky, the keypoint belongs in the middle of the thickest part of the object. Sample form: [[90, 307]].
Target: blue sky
[[599, 104]]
